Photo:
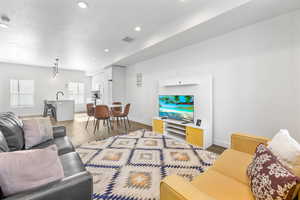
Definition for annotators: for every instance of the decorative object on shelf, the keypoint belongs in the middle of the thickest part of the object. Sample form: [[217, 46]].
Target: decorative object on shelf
[[55, 68], [178, 82], [198, 123], [139, 79]]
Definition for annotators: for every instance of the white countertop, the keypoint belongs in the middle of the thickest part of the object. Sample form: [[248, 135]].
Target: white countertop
[[61, 100]]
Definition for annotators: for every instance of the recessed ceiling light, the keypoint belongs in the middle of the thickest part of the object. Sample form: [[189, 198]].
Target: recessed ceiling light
[[82, 4], [138, 28], [106, 50], [2, 25]]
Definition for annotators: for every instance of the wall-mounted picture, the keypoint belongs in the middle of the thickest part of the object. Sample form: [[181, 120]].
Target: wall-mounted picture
[[178, 107]]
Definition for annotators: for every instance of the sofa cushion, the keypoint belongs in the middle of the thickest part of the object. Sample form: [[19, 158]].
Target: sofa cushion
[[63, 144], [238, 170], [12, 133], [219, 186], [3, 143], [24, 170], [269, 178], [71, 163], [37, 131]]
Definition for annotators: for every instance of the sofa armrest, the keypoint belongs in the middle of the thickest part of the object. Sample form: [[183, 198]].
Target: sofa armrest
[[76, 187], [176, 188], [246, 143], [59, 131]]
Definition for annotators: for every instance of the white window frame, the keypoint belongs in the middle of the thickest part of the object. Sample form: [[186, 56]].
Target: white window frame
[[78, 96], [18, 93]]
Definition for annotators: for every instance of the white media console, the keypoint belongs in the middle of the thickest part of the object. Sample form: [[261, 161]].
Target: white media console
[[196, 135]]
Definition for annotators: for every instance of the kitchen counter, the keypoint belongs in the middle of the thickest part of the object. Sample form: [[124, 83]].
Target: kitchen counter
[[65, 109]]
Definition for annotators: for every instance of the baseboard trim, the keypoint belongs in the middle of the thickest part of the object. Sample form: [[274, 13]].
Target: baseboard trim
[[146, 125], [30, 115], [222, 143], [131, 118]]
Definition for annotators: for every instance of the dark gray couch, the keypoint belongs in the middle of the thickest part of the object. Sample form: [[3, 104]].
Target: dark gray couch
[[77, 183]]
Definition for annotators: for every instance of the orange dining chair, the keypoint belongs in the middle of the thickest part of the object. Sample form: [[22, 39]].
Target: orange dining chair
[[115, 110], [90, 109], [123, 115], [102, 113]]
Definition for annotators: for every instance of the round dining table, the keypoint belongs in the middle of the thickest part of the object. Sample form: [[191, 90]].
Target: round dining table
[[115, 105], [111, 105]]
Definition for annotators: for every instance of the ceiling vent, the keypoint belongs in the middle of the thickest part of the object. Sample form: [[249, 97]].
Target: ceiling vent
[[4, 18], [128, 39]]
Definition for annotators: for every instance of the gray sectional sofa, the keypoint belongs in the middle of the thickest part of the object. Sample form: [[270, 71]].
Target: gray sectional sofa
[[77, 183]]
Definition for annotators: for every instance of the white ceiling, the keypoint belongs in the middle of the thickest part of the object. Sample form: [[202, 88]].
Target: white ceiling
[[246, 14], [41, 30]]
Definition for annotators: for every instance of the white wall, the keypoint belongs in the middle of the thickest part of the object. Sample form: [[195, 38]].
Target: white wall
[[118, 84], [256, 78], [112, 79], [45, 86]]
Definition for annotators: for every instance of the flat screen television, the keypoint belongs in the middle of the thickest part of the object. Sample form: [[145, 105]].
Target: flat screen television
[[178, 107]]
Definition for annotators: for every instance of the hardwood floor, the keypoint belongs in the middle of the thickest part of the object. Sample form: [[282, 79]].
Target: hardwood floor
[[79, 134], [216, 149]]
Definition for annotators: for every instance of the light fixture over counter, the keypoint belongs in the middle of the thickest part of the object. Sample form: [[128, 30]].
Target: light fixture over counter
[[138, 29], [82, 4]]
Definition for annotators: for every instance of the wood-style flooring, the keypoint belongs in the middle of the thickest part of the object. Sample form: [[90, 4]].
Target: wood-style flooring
[[79, 134]]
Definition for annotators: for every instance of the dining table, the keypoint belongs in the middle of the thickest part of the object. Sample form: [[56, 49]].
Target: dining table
[[111, 105], [115, 105]]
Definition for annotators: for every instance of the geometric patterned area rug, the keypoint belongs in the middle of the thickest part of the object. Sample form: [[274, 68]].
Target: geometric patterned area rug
[[130, 167]]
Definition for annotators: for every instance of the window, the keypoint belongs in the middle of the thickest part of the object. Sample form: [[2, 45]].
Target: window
[[21, 93], [76, 92]]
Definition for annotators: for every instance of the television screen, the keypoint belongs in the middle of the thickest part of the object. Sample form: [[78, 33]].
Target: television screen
[[178, 107]]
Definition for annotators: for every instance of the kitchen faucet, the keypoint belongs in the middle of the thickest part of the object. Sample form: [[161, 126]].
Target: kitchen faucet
[[57, 93]]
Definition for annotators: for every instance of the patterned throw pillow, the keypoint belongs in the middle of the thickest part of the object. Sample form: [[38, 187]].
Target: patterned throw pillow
[[37, 131], [269, 179]]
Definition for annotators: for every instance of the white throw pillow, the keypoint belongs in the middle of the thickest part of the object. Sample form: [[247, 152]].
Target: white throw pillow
[[285, 147]]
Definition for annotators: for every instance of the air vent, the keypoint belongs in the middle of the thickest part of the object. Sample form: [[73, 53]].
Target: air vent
[[128, 39], [4, 18]]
